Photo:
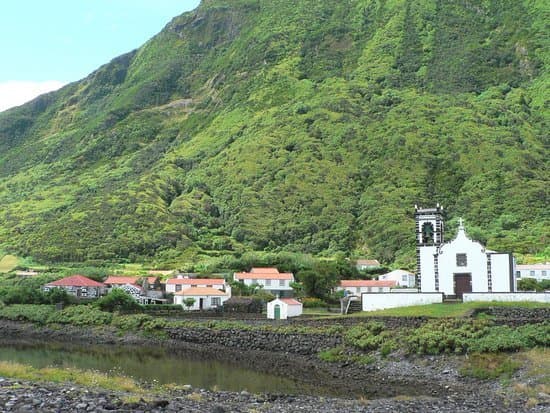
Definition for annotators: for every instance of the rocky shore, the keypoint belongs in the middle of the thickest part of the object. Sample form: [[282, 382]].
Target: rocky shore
[[20, 396], [393, 385]]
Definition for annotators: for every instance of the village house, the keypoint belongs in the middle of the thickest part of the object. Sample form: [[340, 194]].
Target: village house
[[401, 277], [283, 308], [540, 272], [356, 287], [270, 279], [180, 283], [114, 281], [460, 265], [203, 298], [364, 264], [142, 289], [79, 286]]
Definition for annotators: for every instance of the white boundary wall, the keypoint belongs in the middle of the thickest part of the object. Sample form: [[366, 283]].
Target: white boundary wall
[[510, 297], [381, 301]]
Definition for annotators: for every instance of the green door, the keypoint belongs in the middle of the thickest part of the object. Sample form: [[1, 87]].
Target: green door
[[277, 312]]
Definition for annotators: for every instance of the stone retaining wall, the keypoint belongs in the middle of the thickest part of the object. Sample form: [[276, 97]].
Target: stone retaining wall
[[303, 344]]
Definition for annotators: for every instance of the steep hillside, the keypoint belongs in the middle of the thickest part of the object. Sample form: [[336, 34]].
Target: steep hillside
[[302, 126]]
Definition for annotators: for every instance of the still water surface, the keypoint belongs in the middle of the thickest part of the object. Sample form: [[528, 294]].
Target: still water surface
[[153, 365]]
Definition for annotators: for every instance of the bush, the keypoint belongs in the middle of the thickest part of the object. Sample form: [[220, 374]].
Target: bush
[[35, 313], [446, 336], [313, 302], [368, 336], [58, 295], [243, 305], [81, 315], [118, 300]]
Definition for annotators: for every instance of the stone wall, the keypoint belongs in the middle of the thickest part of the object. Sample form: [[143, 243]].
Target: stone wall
[[303, 344]]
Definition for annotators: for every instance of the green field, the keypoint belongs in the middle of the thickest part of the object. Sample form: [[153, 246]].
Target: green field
[[8, 263]]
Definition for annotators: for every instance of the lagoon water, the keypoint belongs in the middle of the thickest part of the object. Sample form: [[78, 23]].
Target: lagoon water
[[152, 366]]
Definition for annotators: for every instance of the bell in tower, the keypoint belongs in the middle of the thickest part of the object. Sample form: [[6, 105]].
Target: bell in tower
[[429, 237]]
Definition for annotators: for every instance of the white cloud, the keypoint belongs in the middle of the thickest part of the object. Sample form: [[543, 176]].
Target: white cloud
[[16, 92]]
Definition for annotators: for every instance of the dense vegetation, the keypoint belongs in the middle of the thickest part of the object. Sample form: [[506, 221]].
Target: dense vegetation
[[309, 127]]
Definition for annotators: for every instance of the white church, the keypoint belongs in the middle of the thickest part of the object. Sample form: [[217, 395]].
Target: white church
[[458, 266], [458, 269]]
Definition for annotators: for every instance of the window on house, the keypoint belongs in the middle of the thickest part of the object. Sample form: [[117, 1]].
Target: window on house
[[532, 273], [267, 282], [178, 287], [380, 289], [84, 292], [543, 273], [518, 274], [405, 278], [281, 283], [216, 301], [358, 289], [461, 260]]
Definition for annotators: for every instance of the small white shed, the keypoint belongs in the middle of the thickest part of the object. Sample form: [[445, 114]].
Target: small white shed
[[282, 308]]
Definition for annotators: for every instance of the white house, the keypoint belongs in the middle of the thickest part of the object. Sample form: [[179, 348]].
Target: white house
[[363, 264], [270, 279], [401, 277], [356, 287], [205, 298], [461, 265], [538, 271], [181, 283], [282, 308]]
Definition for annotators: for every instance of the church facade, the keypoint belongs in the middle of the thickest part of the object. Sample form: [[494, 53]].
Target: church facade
[[458, 266]]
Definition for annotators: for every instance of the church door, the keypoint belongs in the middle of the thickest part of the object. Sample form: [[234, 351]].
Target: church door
[[463, 284]]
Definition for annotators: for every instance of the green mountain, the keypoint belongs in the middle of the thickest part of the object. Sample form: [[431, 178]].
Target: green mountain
[[282, 125]]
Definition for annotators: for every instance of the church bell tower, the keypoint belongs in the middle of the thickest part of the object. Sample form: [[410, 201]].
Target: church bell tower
[[429, 236]]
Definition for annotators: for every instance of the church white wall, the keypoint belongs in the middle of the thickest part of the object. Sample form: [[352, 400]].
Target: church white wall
[[500, 273], [508, 297], [380, 301], [427, 270], [476, 264]]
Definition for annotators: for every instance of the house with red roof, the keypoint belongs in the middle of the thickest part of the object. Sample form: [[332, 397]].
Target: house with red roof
[[270, 279], [180, 283], [79, 286], [364, 264], [357, 287], [204, 298], [283, 308]]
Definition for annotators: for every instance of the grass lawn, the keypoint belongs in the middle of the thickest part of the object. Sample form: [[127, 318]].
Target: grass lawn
[[444, 310], [8, 263]]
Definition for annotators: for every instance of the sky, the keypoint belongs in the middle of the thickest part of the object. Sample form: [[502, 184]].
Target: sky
[[47, 44]]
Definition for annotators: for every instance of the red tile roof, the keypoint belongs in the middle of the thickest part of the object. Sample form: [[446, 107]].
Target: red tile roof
[[195, 281], [264, 274], [290, 301], [200, 291], [75, 281], [121, 280], [266, 270], [367, 283], [533, 267], [367, 262]]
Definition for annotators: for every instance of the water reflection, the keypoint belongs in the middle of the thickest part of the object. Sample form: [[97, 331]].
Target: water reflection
[[152, 365]]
